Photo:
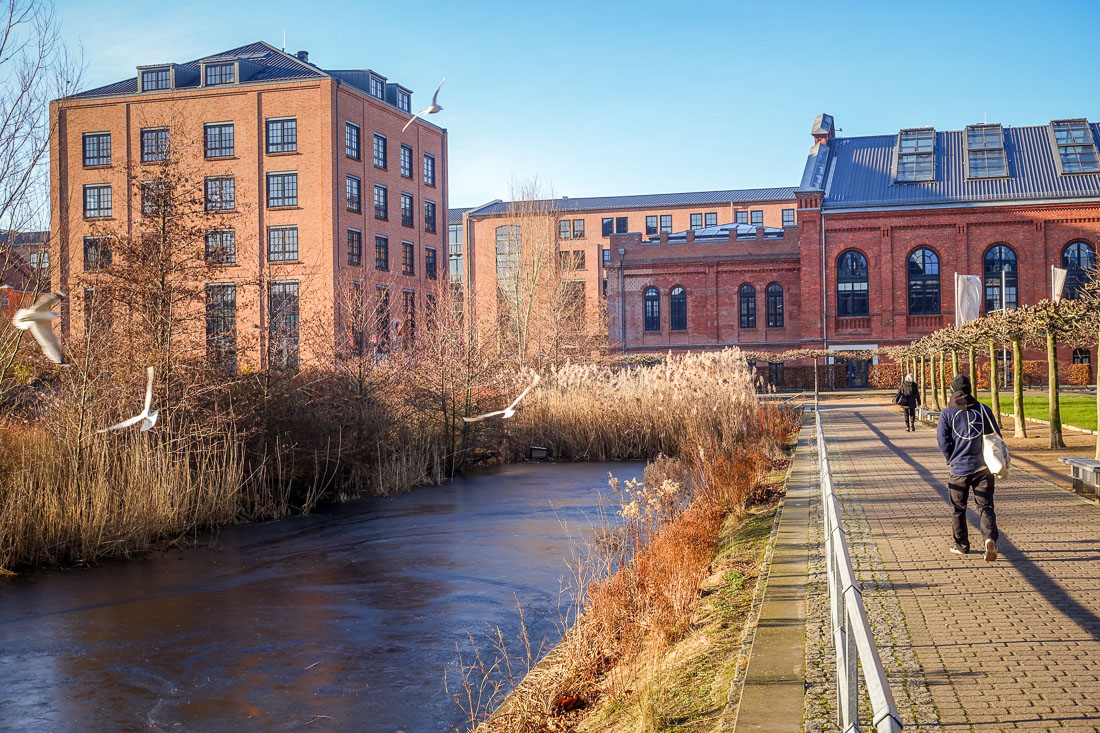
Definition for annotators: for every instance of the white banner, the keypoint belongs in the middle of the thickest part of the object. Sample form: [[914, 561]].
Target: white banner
[[1057, 282], [968, 298]]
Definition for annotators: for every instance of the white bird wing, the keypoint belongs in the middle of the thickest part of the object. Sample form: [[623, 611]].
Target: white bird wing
[[150, 421], [523, 394], [148, 391], [479, 418], [414, 117], [435, 97], [47, 340], [124, 424], [45, 302]]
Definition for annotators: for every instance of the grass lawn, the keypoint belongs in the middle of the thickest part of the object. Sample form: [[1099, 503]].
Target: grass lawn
[[1078, 410]]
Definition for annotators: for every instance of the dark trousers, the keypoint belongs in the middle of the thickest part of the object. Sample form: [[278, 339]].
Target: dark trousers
[[958, 487], [910, 416]]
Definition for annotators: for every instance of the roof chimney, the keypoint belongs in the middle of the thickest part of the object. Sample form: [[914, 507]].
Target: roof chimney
[[823, 128], [303, 56]]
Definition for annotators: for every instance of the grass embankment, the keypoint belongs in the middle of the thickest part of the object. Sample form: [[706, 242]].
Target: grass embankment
[[1077, 410]]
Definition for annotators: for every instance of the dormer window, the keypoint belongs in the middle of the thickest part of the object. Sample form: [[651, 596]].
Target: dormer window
[[985, 152], [377, 86], [1075, 146], [219, 74], [404, 101], [154, 79], [916, 155]]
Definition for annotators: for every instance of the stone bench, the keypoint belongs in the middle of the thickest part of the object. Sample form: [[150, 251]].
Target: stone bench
[[1085, 473]]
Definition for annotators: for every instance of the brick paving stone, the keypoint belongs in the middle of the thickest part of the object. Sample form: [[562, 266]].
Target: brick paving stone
[[1008, 645]]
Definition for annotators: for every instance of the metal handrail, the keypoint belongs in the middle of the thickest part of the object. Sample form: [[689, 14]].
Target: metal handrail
[[852, 637]]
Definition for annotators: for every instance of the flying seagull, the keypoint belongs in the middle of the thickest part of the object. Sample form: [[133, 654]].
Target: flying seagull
[[37, 319], [147, 417], [510, 409], [427, 110]]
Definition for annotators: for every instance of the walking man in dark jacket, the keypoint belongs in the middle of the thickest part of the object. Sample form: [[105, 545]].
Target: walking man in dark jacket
[[962, 425], [908, 397]]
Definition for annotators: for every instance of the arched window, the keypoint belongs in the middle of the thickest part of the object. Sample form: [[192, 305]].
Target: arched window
[[508, 249], [999, 269], [924, 282], [1078, 258], [851, 285], [746, 301], [773, 294], [652, 301], [678, 309]]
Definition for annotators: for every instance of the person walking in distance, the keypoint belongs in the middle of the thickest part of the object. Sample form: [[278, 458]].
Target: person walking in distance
[[908, 397], [962, 424]]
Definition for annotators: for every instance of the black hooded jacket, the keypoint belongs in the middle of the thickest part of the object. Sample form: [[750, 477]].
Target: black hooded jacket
[[962, 424]]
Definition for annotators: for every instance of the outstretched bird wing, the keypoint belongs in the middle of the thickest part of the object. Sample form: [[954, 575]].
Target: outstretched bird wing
[[148, 391], [479, 418], [124, 424], [435, 96], [45, 302], [523, 394], [412, 119], [47, 340]]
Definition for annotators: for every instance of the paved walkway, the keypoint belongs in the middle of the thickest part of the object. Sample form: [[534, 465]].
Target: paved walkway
[[1001, 646]]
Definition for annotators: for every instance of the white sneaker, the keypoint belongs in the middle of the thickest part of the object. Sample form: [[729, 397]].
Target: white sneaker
[[990, 550], [956, 550]]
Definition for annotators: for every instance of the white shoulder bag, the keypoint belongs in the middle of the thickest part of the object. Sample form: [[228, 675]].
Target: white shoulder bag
[[994, 450]]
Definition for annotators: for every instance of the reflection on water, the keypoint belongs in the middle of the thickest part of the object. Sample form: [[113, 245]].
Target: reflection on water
[[339, 621]]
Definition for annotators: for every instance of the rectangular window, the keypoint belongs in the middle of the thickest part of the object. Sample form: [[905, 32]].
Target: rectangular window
[[355, 247], [221, 247], [916, 153], [219, 74], [408, 218], [282, 244], [607, 255], [354, 194], [742, 217], [154, 79], [712, 219], [382, 315], [666, 223], [381, 202], [985, 151], [788, 217], [220, 194], [97, 253], [406, 161], [757, 218], [408, 258], [377, 87], [429, 216], [381, 253], [218, 139], [380, 150], [154, 145], [578, 229], [1076, 147], [454, 252], [282, 299], [429, 263], [650, 225], [282, 189], [152, 198], [607, 227], [620, 225], [409, 327], [351, 140], [746, 297], [429, 170], [282, 135], [565, 229], [97, 148], [97, 201], [571, 259], [404, 101], [696, 221], [221, 325]]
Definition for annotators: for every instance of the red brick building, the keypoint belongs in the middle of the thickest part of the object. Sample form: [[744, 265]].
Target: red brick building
[[323, 189]]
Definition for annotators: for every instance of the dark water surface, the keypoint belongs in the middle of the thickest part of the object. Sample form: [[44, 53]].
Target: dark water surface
[[352, 614]]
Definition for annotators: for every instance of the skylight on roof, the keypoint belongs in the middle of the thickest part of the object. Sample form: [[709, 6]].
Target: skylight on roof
[[916, 155], [985, 152], [1075, 146]]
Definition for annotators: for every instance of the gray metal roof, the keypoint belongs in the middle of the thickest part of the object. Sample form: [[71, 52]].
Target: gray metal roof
[[271, 65], [653, 200], [860, 172], [454, 216]]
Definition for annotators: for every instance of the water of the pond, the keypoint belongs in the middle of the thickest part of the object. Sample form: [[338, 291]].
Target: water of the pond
[[344, 620]]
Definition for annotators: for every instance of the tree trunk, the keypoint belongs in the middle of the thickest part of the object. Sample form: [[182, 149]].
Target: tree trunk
[[945, 380], [954, 362], [815, 380], [1018, 390], [973, 368], [1098, 404], [994, 391], [1055, 414], [935, 383], [924, 393]]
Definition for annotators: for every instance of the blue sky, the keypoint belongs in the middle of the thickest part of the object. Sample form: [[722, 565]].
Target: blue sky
[[599, 98]]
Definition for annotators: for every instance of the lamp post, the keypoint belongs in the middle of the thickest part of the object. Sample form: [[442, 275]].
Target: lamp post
[[622, 296]]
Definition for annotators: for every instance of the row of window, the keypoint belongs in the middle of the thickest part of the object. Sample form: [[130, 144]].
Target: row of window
[[662, 223], [219, 142], [677, 307], [1000, 273]]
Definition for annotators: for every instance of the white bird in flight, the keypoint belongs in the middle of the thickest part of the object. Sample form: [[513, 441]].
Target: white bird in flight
[[37, 320], [510, 409], [147, 417], [427, 110]]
